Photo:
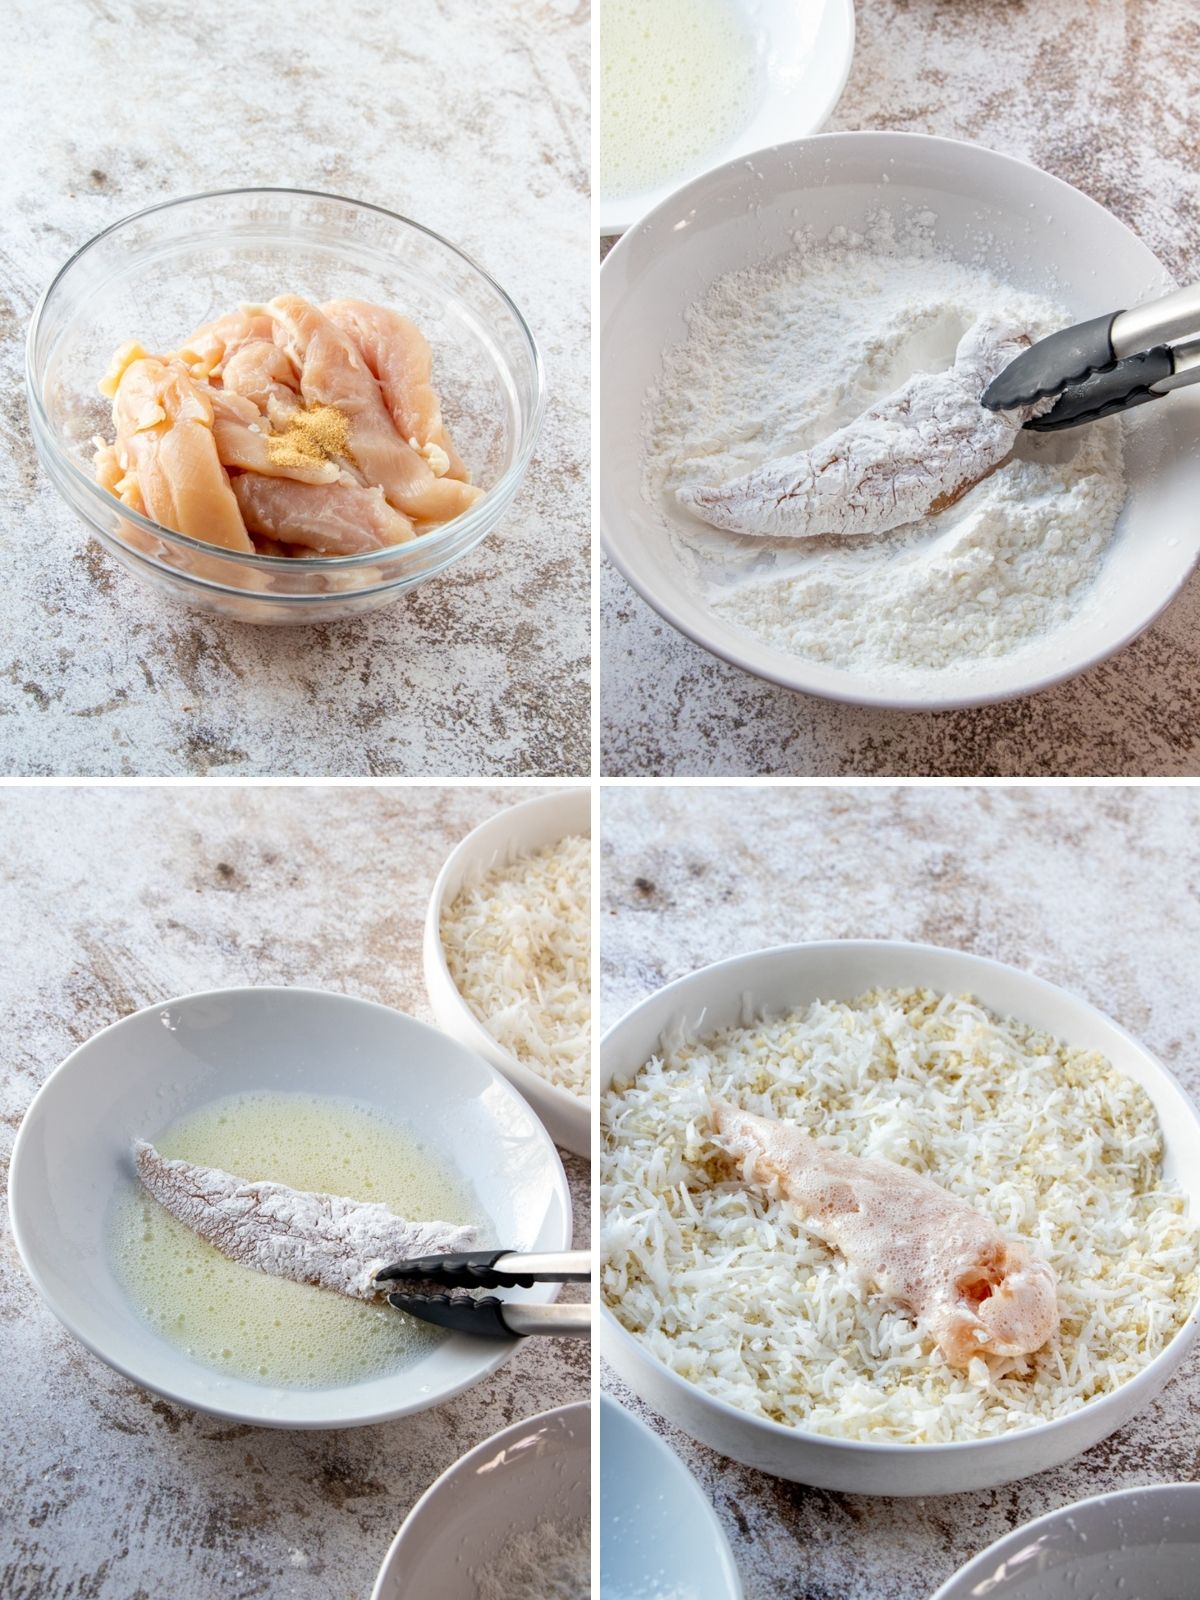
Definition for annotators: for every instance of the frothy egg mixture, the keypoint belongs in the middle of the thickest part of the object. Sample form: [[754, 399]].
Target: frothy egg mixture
[[679, 80], [270, 1330]]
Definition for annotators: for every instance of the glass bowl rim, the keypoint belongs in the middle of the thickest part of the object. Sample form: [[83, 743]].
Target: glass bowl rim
[[497, 497]]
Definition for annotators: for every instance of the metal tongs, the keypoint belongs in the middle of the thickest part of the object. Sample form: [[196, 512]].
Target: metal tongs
[[1110, 364], [487, 1316]]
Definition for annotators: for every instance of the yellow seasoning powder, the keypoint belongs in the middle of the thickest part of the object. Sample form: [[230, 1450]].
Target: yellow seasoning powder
[[315, 434]]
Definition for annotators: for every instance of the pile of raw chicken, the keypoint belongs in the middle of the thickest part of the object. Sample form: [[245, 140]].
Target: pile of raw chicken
[[286, 429]]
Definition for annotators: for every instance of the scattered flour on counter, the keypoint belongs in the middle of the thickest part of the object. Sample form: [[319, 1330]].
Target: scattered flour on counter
[[779, 356], [549, 1562]]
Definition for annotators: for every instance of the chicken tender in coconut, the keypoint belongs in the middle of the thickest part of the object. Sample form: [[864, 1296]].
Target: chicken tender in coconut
[[971, 1290]]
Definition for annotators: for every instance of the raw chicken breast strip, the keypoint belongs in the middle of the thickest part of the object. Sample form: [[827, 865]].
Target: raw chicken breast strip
[[322, 1239], [398, 357], [210, 347], [910, 455], [333, 373], [165, 436], [263, 373], [336, 519], [970, 1290]]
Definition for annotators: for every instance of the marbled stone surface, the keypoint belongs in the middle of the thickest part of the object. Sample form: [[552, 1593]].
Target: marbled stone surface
[[472, 120], [1103, 93], [125, 897], [1092, 888]]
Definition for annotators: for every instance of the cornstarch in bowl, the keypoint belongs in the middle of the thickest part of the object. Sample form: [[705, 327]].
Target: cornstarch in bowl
[[780, 355]]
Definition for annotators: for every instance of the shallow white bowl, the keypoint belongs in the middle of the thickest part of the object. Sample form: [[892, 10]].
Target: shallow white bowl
[[1139, 1544], [535, 1471], [991, 210], [72, 1158], [806, 51], [529, 826], [769, 982], [658, 1533]]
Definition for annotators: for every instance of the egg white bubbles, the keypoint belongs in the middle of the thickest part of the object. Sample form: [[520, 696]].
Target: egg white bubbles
[[679, 80]]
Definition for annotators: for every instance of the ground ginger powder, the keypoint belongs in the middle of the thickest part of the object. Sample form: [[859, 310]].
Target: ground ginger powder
[[310, 436]]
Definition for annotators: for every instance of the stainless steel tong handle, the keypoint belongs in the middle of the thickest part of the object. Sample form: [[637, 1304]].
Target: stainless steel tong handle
[[569, 1321], [491, 1317], [491, 1269], [555, 1266], [1160, 322]]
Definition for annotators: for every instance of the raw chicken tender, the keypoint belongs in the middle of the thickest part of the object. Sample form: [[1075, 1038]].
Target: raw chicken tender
[[262, 373], [211, 346], [333, 373], [165, 440], [968, 1288], [398, 356], [338, 519], [909, 456], [315, 434]]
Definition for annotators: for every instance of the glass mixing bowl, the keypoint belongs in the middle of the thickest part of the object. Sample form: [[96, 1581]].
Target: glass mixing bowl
[[159, 274]]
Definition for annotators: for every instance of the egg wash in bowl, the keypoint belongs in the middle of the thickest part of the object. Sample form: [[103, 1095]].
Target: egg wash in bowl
[[679, 80], [720, 1279], [268, 1329]]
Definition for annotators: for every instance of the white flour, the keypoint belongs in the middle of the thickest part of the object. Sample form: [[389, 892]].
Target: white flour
[[548, 1562], [779, 356]]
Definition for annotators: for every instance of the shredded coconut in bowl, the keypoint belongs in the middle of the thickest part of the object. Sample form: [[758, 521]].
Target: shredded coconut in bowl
[[517, 942], [724, 1286], [781, 355]]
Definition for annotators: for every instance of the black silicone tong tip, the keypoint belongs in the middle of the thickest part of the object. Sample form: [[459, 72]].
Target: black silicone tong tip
[[484, 1318], [1048, 366], [465, 1269], [1119, 387]]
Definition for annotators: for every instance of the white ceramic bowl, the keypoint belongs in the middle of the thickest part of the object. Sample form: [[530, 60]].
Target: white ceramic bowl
[[769, 982], [805, 51], [529, 826], [1140, 1544], [535, 1471], [72, 1158], [658, 1533], [991, 210]]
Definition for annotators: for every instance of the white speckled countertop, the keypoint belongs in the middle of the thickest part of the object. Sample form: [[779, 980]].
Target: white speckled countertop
[[109, 1493], [1097, 889], [1105, 94], [471, 120]]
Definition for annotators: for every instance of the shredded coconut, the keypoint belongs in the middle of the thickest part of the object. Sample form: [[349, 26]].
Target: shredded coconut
[[518, 946], [548, 1562], [322, 1239], [726, 1287], [780, 356]]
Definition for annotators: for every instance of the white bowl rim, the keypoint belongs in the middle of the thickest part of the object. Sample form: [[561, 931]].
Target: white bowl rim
[[564, 1412], [391, 1413], [660, 1447], [1024, 1530], [795, 678], [501, 492], [562, 1099], [837, 13], [1187, 1330]]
